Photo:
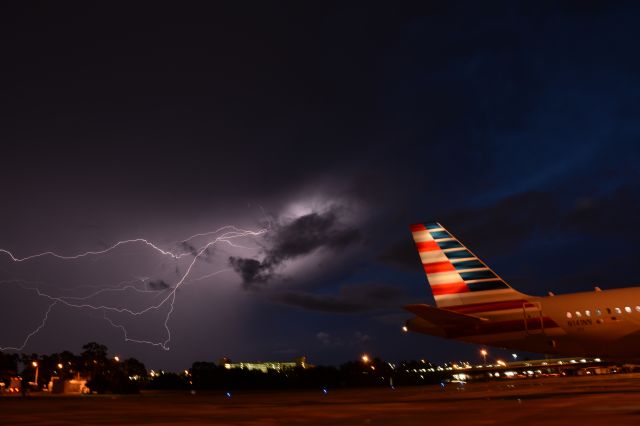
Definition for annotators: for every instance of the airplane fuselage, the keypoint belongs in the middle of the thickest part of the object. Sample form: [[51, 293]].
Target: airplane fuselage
[[597, 323]]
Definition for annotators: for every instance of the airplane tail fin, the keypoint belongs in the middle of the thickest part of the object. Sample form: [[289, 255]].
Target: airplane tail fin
[[456, 276]]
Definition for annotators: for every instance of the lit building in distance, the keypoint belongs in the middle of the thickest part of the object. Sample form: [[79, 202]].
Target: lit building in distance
[[266, 366]]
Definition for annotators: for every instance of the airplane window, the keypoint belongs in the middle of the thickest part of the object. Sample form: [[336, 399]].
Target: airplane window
[[587, 313], [627, 309], [569, 315], [578, 314], [618, 310], [598, 312]]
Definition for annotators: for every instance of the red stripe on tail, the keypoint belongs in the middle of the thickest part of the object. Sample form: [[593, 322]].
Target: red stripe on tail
[[451, 288], [427, 246], [432, 268]]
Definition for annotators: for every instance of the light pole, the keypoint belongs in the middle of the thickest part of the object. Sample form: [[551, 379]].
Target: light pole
[[35, 364], [484, 353]]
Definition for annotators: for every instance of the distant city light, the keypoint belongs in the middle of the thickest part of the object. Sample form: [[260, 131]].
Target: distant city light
[[515, 356], [365, 358], [404, 328], [116, 358]]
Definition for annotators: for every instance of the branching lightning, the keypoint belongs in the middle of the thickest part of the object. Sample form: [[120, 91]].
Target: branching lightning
[[34, 332], [225, 234]]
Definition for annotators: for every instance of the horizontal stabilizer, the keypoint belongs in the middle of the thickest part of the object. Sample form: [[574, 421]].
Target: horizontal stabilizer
[[443, 317]]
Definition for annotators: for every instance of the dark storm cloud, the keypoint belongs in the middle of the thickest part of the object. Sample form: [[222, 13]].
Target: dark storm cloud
[[252, 271], [300, 237], [593, 223], [352, 298], [316, 302], [615, 213], [158, 285], [522, 232], [204, 255], [506, 224], [509, 222], [190, 248], [401, 254]]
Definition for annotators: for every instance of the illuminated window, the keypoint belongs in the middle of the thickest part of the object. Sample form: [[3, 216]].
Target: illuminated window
[[578, 314], [627, 309], [618, 310], [587, 313], [598, 312], [569, 315], [638, 308]]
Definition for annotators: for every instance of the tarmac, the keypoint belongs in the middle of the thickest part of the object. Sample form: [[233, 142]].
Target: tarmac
[[586, 400]]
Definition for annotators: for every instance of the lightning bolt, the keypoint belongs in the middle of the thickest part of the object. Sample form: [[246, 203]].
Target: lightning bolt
[[225, 234], [34, 332], [226, 237]]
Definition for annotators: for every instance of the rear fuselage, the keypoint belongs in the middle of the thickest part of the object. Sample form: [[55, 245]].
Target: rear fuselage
[[474, 304], [597, 323]]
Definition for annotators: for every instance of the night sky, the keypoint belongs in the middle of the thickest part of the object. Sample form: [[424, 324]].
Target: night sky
[[326, 130]]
